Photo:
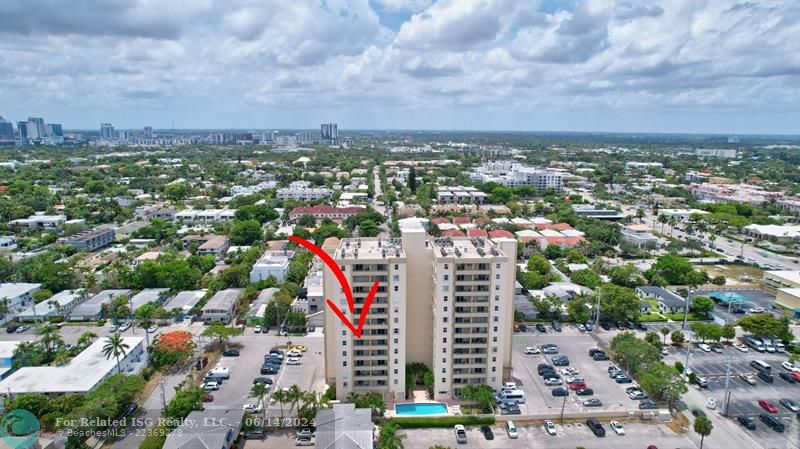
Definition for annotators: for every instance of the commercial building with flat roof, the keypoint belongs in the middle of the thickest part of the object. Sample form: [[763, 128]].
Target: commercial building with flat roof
[[81, 375]]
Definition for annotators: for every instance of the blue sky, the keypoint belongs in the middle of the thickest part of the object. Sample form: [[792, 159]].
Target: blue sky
[[662, 66]]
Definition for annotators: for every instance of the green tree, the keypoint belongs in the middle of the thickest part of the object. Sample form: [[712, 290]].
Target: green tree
[[553, 252], [548, 306], [703, 427], [677, 337], [587, 278], [619, 303], [146, 314], [281, 397], [626, 276], [184, 402], [702, 304], [221, 332], [766, 325], [176, 191], [653, 339], [389, 438], [48, 336], [245, 232], [578, 310], [368, 228], [633, 353], [412, 180], [115, 346], [719, 280], [674, 269], [663, 382], [307, 221], [729, 331], [664, 331], [41, 295], [86, 339]]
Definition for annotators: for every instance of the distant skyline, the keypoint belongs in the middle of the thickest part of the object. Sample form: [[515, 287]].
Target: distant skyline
[[722, 67]]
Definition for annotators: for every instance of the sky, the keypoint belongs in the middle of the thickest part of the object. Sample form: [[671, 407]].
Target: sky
[[619, 66]]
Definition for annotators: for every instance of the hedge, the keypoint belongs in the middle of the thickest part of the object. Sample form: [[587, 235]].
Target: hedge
[[443, 421]]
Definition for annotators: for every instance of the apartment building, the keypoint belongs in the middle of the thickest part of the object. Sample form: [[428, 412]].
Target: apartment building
[[514, 174], [304, 193], [90, 240], [460, 195], [447, 303]]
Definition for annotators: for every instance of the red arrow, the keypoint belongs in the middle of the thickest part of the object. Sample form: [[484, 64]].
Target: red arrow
[[345, 286]]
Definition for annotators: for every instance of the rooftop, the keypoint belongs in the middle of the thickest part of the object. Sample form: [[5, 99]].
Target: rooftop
[[13, 290], [789, 275], [465, 248], [185, 300], [370, 248], [81, 374], [224, 299]]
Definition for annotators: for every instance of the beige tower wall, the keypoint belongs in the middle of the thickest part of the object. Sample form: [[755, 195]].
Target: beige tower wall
[[509, 247], [419, 297]]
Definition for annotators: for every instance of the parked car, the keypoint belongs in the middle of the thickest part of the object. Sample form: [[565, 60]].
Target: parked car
[[698, 413], [540, 327], [717, 349], [600, 356], [772, 422], [740, 347], [768, 378], [207, 398], [616, 426], [487, 432], [293, 361], [561, 361], [152, 328], [637, 395], [211, 385], [461, 434], [532, 350], [511, 409], [748, 378], [201, 363], [623, 379], [594, 425], [704, 347], [549, 427], [113, 328], [768, 406], [711, 404], [747, 422], [605, 325], [593, 403], [304, 441], [257, 434], [544, 367], [556, 326], [701, 381], [294, 353], [581, 327], [790, 404], [788, 377], [124, 326], [252, 408], [577, 385], [648, 405], [550, 349], [231, 353], [560, 391], [790, 367], [269, 369], [552, 381], [585, 391], [262, 380]]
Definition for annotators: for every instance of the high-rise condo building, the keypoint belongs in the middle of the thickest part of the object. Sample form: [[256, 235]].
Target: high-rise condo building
[[107, 131], [329, 131], [36, 128], [447, 303], [6, 130], [148, 132], [22, 128]]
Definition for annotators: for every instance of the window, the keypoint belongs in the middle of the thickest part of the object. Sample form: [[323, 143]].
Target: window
[[395, 341], [344, 342], [396, 288], [496, 308], [495, 328], [445, 288], [395, 331], [395, 321], [396, 278], [446, 277], [342, 267], [446, 266], [497, 276], [497, 266], [444, 350], [395, 349], [444, 381], [496, 298], [495, 319], [494, 369], [395, 371], [494, 349], [344, 363], [344, 384], [445, 308], [445, 298], [444, 370], [444, 340], [395, 362], [396, 310], [444, 330], [397, 267], [344, 353], [444, 360], [497, 287], [494, 359], [494, 339], [395, 381], [344, 333], [444, 319]]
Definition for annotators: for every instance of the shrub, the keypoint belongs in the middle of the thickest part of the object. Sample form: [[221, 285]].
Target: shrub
[[444, 421], [56, 319]]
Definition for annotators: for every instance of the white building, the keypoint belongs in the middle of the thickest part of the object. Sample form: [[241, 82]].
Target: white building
[[640, 235], [59, 304], [514, 174], [221, 307], [37, 221], [304, 193], [460, 195], [469, 285], [715, 152], [680, 214], [17, 296], [272, 263], [81, 375]]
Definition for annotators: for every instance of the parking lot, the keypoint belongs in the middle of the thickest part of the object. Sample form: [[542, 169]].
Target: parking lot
[[754, 298], [568, 436], [744, 397], [576, 346]]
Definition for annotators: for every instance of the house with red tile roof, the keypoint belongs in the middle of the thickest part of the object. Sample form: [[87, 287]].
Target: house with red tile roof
[[498, 233], [440, 220], [453, 233], [461, 220], [475, 232], [564, 242]]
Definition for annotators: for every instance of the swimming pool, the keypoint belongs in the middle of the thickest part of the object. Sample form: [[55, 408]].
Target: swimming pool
[[421, 408]]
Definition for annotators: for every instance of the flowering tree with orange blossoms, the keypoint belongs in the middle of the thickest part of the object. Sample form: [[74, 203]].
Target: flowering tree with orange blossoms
[[172, 347]]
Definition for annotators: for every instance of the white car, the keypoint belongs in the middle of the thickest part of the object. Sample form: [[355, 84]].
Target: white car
[[552, 381], [532, 350], [704, 347], [756, 310], [617, 427], [575, 378], [740, 347], [124, 326], [252, 408], [664, 350], [294, 353], [549, 427], [570, 371], [711, 404], [152, 328], [304, 441], [293, 361], [790, 367], [509, 385], [211, 386]]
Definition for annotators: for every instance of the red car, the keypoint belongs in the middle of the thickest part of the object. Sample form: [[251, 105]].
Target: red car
[[796, 376], [768, 406], [577, 386], [207, 398]]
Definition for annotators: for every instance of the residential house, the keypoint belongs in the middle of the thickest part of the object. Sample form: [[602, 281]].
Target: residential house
[[344, 427], [212, 428], [667, 301], [221, 307]]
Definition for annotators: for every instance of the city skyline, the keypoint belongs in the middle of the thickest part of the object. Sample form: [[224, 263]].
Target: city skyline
[[672, 67]]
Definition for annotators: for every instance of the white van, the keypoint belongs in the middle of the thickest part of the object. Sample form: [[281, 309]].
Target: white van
[[779, 347], [768, 345], [513, 395], [511, 430], [755, 344], [219, 373]]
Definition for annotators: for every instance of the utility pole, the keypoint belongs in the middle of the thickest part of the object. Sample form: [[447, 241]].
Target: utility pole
[[563, 404], [163, 395], [686, 309], [688, 353], [727, 386], [597, 310]]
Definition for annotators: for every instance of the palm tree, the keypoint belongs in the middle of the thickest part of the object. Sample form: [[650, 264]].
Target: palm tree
[[294, 395], [640, 214], [86, 339], [281, 397], [311, 402], [389, 439], [115, 346], [49, 334], [260, 390], [62, 357], [665, 331], [703, 427], [672, 221], [663, 220]]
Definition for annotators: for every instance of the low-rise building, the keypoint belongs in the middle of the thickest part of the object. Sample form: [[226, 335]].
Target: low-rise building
[[255, 316], [7, 356], [304, 193], [774, 233], [8, 243], [222, 306], [680, 214], [184, 302], [344, 427], [81, 375], [212, 428], [92, 308], [17, 297], [460, 195], [38, 221], [640, 235], [323, 211], [58, 305], [90, 240], [776, 280], [787, 301], [272, 263], [667, 301], [146, 296], [586, 210], [216, 246]]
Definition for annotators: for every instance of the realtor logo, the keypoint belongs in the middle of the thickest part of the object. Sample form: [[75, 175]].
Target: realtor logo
[[19, 429]]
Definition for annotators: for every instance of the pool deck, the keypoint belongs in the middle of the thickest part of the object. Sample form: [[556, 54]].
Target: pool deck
[[452, 410]]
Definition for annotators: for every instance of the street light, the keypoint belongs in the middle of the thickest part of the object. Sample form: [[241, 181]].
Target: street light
[[563, 404], [686, 309]]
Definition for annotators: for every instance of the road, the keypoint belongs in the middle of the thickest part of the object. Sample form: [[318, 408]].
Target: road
[[731, 247], [386, 231]]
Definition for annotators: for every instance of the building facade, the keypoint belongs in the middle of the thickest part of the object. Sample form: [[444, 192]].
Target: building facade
[[447, 303]]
